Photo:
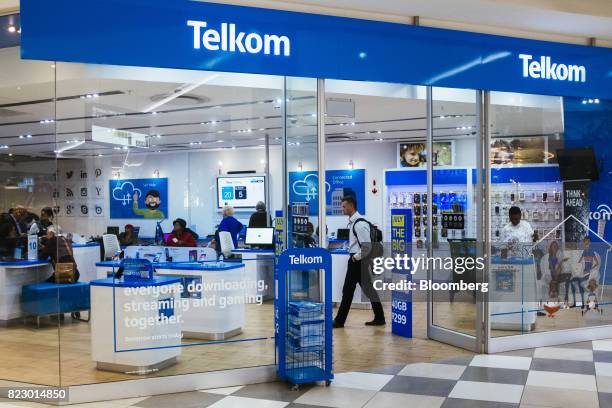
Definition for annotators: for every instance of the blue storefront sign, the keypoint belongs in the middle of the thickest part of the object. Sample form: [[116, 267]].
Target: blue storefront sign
[[206, 36], [401, 244], [304, 187], [139, 198]]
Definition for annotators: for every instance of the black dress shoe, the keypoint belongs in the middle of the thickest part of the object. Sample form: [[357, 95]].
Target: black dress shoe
[[338, 325], [376, 322]]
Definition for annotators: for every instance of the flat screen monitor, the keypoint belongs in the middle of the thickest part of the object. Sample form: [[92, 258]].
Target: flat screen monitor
[[259, 236], [577, 164], [343, 234], [241, 192], [112, 230]]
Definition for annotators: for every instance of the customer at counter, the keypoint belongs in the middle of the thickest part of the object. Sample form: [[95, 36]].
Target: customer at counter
[[181, 236], [127, 237], [46, 221], [58, 249], [16, 217], [259, 219], [230, 224], [8, 238]]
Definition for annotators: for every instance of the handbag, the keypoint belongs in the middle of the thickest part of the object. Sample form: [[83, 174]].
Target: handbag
[[65, 272]]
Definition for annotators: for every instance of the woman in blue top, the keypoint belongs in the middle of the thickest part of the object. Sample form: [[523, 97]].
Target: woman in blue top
[[230, 224]]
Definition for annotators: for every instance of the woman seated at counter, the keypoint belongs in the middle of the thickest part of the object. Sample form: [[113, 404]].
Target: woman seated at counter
[[230, 224], [181, 235], [127, 237]]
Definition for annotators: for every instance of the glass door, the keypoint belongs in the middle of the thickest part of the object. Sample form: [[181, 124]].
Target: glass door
[[452, 216]]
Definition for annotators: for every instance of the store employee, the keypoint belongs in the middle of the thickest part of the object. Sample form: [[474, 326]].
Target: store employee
[[517, 232], [181, 235]]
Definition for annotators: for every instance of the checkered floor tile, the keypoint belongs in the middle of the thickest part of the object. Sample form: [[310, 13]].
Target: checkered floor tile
[[573, 375]]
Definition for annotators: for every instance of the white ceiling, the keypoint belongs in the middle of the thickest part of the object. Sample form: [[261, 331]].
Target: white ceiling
[[577, 18], [226, 111]]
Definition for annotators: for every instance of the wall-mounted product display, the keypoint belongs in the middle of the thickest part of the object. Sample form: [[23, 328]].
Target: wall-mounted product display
[[450, 204], [536, 190]]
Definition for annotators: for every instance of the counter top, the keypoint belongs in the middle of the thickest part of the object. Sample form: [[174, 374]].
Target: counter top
[[184, 266], [253, 251], [26, 264], [157, 281], [86, 245], [339, 251], [498, 260]]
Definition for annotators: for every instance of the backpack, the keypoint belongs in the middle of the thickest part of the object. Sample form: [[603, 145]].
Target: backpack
[[374, 248]]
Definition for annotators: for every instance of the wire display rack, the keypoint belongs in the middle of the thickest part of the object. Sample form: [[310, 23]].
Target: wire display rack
[[304, 339]]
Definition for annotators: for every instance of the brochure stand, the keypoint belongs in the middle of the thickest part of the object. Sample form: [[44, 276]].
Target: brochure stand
[[305, 317]]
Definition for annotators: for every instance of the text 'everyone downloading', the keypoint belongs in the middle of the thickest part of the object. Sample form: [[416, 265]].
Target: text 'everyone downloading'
[[230, 40], [546, 69]]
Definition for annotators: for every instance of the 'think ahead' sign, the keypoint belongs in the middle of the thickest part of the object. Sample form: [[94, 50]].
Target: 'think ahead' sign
[[228, 38]]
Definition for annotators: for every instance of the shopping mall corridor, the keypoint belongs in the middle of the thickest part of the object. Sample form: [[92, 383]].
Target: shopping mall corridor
[[573, 375]]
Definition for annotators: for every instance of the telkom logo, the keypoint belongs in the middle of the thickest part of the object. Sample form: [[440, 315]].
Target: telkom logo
[[230, 40], [546, 69]]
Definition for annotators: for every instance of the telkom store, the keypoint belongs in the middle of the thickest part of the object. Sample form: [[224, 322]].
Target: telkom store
[[179, 148]]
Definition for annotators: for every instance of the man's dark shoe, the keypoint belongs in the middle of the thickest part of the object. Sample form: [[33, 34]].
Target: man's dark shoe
[[376, 322], [338, 325]]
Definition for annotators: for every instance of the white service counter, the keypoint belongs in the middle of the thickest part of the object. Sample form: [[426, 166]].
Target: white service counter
[[13, 275], [513, 302], [130, 341], [217, 294], [258, 267]]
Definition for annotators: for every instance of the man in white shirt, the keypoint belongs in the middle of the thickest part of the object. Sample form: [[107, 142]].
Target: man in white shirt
[[358, 269], [517, 234]]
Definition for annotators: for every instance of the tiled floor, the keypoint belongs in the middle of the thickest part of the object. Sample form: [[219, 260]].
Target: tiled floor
[[574, 375]]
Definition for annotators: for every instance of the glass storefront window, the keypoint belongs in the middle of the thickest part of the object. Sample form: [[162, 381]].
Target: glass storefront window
[[549, 213]]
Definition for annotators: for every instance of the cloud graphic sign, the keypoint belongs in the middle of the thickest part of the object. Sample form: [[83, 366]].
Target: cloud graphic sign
[[124, 193], [304, 186], [139, 198]]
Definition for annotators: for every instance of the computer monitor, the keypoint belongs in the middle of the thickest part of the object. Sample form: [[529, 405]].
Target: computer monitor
[[112, 230], [259, 236], [343, 234]]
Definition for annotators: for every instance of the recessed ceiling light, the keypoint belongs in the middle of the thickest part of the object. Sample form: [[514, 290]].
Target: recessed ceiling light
[[100, 155], [12, 29], [29, 136], [219, 141]]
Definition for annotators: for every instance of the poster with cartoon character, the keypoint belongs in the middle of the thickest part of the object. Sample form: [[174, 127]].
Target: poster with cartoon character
[[139, 198]]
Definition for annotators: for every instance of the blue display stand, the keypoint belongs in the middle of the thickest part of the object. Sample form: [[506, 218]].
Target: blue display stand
[[401, 243], [304, 339]]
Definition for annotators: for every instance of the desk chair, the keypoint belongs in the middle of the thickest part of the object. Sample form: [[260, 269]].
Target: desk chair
[[111, 245], [226, 243]]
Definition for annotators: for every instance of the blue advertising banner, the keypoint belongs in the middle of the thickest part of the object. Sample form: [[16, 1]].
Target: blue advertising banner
[[139, 198], [304, 187], [218, 37], [401, 243]]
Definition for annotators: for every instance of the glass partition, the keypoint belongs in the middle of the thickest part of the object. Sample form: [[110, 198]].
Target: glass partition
[[168, 167], [29, 341], [549, 212], [454, 215]]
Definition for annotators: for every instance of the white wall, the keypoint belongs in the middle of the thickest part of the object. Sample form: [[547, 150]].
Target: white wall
[[191, 186]]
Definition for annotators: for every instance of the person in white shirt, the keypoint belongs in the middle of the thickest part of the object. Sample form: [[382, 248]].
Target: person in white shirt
[[358, 269], [518, 233]]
